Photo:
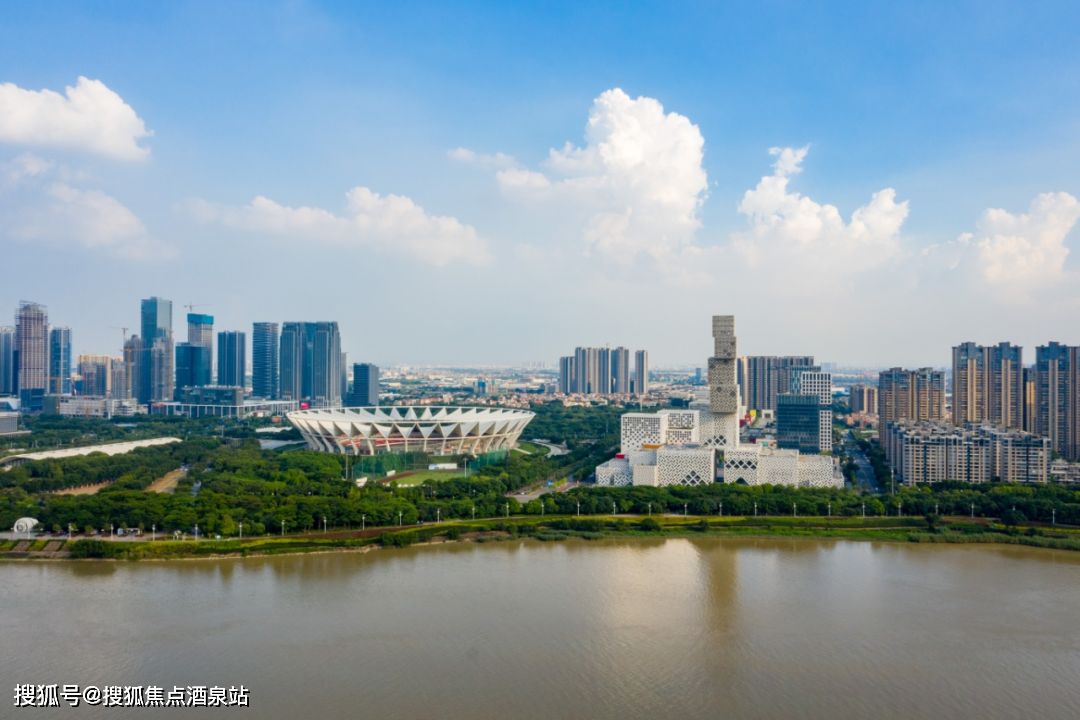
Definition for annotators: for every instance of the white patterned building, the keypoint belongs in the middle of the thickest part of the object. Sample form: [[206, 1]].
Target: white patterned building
[[681, 447]]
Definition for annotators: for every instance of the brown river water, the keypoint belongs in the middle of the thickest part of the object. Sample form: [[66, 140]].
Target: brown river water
[[688, 628]]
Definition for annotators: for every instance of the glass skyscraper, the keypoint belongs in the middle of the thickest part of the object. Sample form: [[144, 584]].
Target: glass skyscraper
[[264, 361], [60, 361], [156, 368], [232, 358]]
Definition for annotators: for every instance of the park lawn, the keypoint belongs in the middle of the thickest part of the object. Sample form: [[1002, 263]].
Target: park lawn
[[422, 476]]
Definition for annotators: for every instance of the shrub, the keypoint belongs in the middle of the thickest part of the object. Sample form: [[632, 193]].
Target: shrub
[[92, 549], [649, 525]]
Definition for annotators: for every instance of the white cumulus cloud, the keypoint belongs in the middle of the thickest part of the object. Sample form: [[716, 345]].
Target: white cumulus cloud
[[635, 186], [88, 117], [787, 227], [1016, 255], [37, 207], [386, 222]]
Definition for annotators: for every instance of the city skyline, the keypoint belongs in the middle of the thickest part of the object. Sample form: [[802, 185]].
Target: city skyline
[[666, 152]]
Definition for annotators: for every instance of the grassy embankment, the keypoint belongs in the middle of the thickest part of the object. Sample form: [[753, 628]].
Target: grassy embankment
[[564, 527]]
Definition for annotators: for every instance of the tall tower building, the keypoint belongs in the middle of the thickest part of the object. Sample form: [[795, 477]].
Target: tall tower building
[[365, 390], [232, 358], [911, 395], [969, 383], [31, 354], [988, 385], [7, 361], [567, 382], [1005, 385], [604, 374], [641, 372], [590, 374], [620, 371], [1057, 397], [720, 420], [264, 361], [96, 371], [156, 368], [60, 361], [763, 377], [200, 329], [118, 379], [326, 361], [292, 361], [133, 356]]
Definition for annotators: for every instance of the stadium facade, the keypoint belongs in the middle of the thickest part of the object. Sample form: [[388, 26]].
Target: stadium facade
[[435, 430]]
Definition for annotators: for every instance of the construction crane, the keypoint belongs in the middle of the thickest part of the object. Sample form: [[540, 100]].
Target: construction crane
[[191, 306], [123, 329]]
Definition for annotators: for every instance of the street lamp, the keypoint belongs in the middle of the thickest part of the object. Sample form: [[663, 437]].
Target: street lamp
[[438, 515], [363, 522], [324, 524], [282, 527], [241, 531], [794, 510], [972, 511], [507, 509], [153, 533], [755, 509], [685, 511], [935, 508], [399, 514], [196, 532], [650, 509], [473, 512], [830, 509], [110, 531], [721, 508], [579, 508], [864, 511], [1053, 516]]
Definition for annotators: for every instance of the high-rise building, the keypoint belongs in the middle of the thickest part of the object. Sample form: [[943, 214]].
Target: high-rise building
[[232, 358], [31, 354], [799, 422], [641, 372], [326, 371], [60, 361], [293, 352], [1057, 397], [988, 385], [96, 372], [7, 361], [620, 371], [133, 355], [763, 377], [1031, 395], [365, 387], [587, 371], [567, 381], [811, 381], [157, 360], [864, 399], [911, 395], [192, 368], [343, 364], [118, 379], [200, 329], [264, 361], [604, 376]]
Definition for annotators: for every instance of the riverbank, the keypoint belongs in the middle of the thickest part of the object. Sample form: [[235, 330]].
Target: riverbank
[[553, 529]]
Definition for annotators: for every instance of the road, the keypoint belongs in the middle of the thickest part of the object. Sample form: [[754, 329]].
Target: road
[[526, 497], [863, 471], [554, 450]]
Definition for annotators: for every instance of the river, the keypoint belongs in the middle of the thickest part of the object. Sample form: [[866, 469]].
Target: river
[[691, 628]]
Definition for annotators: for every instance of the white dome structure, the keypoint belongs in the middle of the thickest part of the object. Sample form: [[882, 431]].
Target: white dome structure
[[435, 430], [25, 525]]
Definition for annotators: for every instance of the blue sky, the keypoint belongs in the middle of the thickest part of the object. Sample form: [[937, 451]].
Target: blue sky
[[417, 186]]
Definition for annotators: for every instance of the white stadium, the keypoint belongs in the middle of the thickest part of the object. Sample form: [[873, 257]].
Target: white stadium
[[435, 430]]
